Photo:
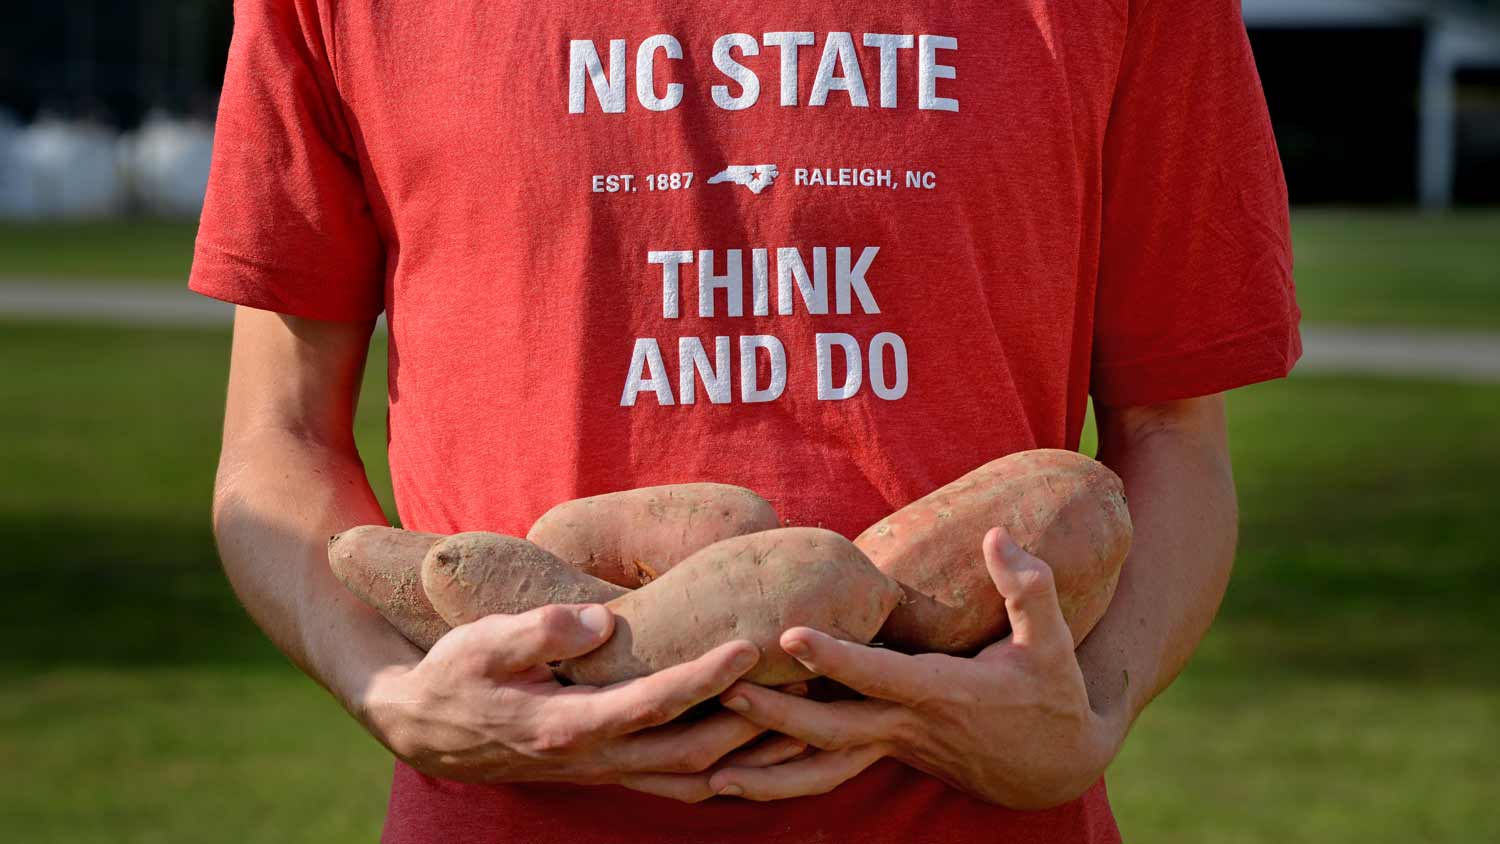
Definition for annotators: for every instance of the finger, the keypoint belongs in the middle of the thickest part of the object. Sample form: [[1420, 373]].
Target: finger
[[1030, 594], [771, 750], [873, 672], [658, 698], [683, 748], [512, 643], [830, 726], [687, 788], [819, 773], [794, 689]]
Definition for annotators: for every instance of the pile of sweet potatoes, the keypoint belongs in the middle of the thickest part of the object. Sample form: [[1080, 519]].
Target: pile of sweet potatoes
[[686, 568]]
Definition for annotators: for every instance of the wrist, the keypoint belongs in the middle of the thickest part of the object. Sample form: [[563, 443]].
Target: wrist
[[1113, 678], [350, 649], [1110, 732], [380, 704], [1112, 719]]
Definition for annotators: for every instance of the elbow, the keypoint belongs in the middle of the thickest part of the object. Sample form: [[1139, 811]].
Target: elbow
[[226, 509], [1041, 796], [223, 501]]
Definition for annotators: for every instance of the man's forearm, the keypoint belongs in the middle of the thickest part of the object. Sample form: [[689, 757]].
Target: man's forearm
[[1029, 722], [1182, 502], [278, 498]]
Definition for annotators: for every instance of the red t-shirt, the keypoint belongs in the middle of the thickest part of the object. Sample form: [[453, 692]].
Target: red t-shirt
[[839, 253]]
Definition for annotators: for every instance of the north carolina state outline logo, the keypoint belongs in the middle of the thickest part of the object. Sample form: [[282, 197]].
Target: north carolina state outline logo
[[756, 177]]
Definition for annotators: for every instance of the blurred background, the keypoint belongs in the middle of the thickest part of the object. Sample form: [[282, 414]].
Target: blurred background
[[1350, 690]]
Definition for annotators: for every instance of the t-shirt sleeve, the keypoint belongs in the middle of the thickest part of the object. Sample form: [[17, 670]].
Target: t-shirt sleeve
[[286, 221], [1195, 290]]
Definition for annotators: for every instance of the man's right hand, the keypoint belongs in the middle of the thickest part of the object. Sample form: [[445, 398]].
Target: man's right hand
[[483, 707]]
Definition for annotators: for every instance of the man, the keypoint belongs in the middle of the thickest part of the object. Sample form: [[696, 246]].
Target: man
[[837, 254]]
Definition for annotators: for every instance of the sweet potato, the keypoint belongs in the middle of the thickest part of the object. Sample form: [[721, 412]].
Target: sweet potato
[[382, 566], [751, 587], [631, 538], [471, 575], [1063, 507]]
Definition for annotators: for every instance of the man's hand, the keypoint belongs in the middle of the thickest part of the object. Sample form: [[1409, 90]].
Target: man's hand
[[483, 707], [1011, 725], [1029, 722]]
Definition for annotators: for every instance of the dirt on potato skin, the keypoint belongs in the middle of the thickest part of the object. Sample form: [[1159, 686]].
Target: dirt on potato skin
[[468, 576], [382, 566], [752, 587], [1063, 507], [630, 538]]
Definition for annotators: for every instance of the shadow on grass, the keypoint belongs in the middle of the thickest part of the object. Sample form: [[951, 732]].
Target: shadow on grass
[[111, 436], [1320, 626], [117, 593], [1366, 542], [131, 594]]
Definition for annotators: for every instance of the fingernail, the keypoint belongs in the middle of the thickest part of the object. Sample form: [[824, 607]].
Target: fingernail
[[595, 619], [796, 647], [738, 704], [745, 660], [731, 790]]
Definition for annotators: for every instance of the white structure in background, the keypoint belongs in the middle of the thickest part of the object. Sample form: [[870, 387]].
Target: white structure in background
[[57, 169], [61, 170], [1456, 38], [166, 164], [15, 199]]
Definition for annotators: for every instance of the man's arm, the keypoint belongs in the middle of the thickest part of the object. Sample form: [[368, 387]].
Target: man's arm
[[1028, 722], [1174, 460], [482, 705], [290, 477]]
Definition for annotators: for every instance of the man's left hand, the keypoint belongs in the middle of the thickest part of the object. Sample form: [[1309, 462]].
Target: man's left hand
[[1011, 725]]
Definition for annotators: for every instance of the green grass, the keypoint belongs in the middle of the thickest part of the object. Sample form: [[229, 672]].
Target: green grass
[[1350, 690], [111, 435], [137, 702], [1398, 267], [236, 752], [139, 251], [1353, 266], [1348, 693]]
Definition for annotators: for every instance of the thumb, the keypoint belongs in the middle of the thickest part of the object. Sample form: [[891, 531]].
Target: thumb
[[514, 643], [1030, 594]]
